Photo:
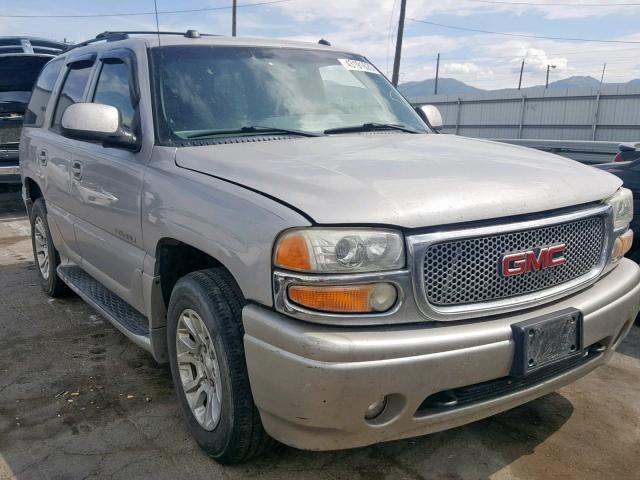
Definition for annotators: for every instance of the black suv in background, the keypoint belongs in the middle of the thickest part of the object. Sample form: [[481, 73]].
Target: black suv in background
[[627, 152], [628, 170], [21, 60]]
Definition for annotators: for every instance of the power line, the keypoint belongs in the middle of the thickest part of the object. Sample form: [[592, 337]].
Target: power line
[[480, 56], [518, 56], [490, 32], [557, 4], [603, 51], [134, 14]]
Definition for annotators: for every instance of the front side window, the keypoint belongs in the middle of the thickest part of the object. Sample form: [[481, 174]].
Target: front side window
[[202, 89], [72, 89], [113, 89]]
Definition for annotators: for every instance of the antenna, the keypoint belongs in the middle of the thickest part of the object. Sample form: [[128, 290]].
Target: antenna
[[155, 6]]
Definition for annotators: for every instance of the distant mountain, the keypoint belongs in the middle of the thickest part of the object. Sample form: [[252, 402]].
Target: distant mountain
[[451, 86], [446, 86], [572, 82]]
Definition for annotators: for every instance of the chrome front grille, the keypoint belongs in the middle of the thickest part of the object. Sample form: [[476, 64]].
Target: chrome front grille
[[467, 271], [457, 272]]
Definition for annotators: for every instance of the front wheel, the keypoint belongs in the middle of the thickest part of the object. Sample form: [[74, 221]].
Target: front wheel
[[206, 353], [45, 254]]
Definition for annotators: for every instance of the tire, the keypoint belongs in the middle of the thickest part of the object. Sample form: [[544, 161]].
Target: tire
[[212, 299], [41, 240]]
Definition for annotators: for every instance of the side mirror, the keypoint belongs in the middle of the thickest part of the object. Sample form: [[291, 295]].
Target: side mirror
[[431, 116], [99, 123]]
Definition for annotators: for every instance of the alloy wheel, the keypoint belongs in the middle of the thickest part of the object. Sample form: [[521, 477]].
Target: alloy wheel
[[199, 369], [41, 247]]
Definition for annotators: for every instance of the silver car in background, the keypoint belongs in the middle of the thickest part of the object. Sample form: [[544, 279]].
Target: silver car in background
[[21, 60]]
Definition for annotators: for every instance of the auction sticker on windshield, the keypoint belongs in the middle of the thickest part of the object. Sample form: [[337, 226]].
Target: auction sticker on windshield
[[357, 65]]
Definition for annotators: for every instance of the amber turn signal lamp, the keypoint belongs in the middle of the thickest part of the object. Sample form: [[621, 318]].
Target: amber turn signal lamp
[[622, 244], [377, 297], [293, 254]]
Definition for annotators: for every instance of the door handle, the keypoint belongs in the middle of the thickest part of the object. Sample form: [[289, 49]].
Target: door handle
[[76, 170], [42, 158]]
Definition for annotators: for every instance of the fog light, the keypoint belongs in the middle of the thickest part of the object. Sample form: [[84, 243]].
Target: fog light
[[622, 244], [375, 409], [383, 297]]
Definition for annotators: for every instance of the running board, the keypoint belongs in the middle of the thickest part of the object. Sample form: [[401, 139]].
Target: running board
[[123, 316]]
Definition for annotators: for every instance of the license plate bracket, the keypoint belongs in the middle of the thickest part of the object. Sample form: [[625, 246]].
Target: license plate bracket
[[546, 340]]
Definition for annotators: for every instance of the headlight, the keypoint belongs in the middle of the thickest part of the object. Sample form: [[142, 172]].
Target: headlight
[[622, 245], [622, 203], [339, 250]]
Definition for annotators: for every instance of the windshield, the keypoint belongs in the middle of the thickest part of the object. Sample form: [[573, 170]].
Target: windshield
[[18, 73], [202, 90]]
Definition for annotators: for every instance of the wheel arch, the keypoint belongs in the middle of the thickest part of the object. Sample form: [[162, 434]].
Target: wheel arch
[[175, 259], [32, 192]]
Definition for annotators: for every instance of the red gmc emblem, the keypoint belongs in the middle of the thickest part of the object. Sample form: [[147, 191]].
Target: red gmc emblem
[[532, 260]]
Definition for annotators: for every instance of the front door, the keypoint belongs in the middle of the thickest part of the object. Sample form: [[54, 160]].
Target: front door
[[108, 183]]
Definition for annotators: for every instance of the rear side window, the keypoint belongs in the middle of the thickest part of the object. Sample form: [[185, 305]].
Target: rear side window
[[34, 116], [113, 89], [72, 89]]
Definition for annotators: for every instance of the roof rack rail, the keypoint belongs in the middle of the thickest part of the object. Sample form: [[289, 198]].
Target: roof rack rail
[[113, 36]]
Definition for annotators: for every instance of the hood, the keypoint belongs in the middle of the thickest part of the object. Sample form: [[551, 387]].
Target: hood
[[406, 180], [611, 167], [13, 103]]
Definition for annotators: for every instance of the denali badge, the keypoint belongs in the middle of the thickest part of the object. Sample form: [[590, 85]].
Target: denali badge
[[532, 260]]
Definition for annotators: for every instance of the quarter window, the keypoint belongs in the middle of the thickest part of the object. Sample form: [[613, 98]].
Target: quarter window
[[113, 89], [34, 116], [73, 89]]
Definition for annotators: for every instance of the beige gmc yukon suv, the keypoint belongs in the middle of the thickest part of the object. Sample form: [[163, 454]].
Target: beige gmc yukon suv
[[316, 262]]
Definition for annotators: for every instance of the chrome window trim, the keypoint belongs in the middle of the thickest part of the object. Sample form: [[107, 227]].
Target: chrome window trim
[[418, 244], [401, 279]]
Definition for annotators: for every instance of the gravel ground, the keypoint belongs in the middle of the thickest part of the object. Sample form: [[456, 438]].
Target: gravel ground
[[77, 400]]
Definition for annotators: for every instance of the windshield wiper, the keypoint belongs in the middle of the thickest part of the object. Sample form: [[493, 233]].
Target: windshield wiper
[[372, 127], [254, 129]]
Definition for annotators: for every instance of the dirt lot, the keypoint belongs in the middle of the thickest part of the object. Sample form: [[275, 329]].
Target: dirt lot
[[77, 400]]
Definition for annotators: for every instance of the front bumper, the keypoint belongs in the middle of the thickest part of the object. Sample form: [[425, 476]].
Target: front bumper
[[312, 383], [9, 167]]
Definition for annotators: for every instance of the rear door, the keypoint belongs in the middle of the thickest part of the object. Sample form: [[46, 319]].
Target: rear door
[[50, 152], [34, 126], [108, 185]]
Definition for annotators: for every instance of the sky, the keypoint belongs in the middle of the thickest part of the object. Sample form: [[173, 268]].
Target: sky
[[369, 27]]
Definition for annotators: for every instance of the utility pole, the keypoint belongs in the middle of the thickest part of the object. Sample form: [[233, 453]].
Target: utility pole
[[604, 67], [396, 60], [435, 89], [596, 110], [521, 70], [546, 85], [233, 18]]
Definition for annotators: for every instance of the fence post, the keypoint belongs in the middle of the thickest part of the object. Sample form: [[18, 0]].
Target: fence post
[[521, 125], [594, 126], [458, 115]]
